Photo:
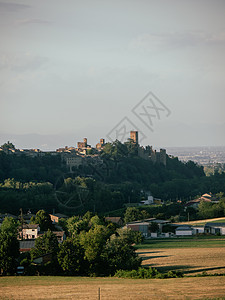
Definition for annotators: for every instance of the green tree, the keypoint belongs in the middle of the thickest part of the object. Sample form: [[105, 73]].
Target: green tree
[[153, 227], [75, 225], [9, 225], [71, 257], [95, 220], [45, 244], [119, 255], [132, 214], [93, 242], [9, 252], [43, 219]]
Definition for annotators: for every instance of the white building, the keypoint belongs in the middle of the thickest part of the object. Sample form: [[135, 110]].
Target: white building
[[28, 231], [183, 231]]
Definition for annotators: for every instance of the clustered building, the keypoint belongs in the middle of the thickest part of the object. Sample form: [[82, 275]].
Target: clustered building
[[76, 156]]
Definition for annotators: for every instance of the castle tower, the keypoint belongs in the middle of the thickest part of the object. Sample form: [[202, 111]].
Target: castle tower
[[102, 141], [162, 156], [85, 142], [134, 136]]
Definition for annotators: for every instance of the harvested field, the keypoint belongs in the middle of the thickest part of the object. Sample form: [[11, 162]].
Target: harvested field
[[188, 260], [111, 288]]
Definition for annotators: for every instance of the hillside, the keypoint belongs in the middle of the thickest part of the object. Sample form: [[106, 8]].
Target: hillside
[[46, 182]]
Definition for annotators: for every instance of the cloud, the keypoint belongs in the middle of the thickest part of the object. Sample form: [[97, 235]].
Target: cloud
[[152, 41], [22, 62], [12, 6], [33, 21]]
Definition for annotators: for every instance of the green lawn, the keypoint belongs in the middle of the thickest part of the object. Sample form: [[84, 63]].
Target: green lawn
[[200, 242]]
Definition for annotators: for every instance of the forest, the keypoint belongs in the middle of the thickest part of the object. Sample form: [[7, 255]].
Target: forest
[[44, 182]]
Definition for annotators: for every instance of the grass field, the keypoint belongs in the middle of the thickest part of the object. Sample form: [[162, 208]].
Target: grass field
[[193, 242], [189, 255], [111, 288]]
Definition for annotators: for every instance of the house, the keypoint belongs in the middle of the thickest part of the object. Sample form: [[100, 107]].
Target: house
[[148, 201], [143, 226], [215, 228], [205, 197], [61, 236], [28, 231], [184, 230], [198, 229], [151, 200], [139, 226], [116, 220], [56, 217]]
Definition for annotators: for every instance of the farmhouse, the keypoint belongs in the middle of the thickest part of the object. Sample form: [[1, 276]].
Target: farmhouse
[[28, 231], [198, 229], [139, 226], [56, 217], [116, 220], [215, 228], [183, 230], [143, 226]]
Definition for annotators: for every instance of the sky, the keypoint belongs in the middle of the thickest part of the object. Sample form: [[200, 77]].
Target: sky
[[98, 69]]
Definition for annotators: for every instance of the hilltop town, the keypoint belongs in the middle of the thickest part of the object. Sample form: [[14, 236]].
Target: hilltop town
[[76, 156]]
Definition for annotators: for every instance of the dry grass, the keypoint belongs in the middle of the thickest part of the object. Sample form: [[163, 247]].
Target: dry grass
[[188, 260], [203, 222], [111, 288]]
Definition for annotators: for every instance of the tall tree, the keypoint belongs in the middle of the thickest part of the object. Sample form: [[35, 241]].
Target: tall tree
[[71, 257], [45, 244], [9, 225], [9, 252], [119, 255], [43, 219]]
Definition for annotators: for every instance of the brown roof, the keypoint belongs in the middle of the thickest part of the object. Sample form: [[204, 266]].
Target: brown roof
[[113, 219], [29, 226], [59, 233]]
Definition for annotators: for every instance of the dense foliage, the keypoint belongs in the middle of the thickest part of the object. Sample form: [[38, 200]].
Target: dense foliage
[[100, 248], [45, 182], [142, 273], [9, 247]]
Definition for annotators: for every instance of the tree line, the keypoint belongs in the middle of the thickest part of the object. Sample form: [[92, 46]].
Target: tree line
[[93, 247], [45, 182]]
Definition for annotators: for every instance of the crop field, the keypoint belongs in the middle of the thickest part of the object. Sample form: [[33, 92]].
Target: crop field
[[111, 288], [190, 255]]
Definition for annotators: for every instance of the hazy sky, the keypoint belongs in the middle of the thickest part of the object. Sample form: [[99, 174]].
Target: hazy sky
[[72, 69]]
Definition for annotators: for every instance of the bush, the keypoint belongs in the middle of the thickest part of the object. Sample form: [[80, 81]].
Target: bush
[[149, 273]]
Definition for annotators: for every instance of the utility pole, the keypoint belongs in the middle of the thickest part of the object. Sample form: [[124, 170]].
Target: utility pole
[[21, 220]]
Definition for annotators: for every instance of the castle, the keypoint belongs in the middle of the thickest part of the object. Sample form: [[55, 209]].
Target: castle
[[147, 152], [77, 156], [84, 153]]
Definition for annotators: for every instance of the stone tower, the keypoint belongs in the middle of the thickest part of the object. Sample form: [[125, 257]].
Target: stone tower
[[134, 136]]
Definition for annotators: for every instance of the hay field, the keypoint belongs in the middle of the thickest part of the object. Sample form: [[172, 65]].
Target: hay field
[[191, 261], [111, 288]]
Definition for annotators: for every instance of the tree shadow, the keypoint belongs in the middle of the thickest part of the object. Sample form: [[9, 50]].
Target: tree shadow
[[205, 269], [150, 257], [170, 268], [147, 252]]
